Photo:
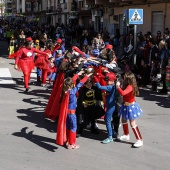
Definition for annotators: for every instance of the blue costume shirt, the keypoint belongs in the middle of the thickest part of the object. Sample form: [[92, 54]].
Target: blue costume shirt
[[73, 99], [110, 95]]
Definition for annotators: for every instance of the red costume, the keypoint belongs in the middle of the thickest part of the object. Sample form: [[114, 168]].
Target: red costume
[[25, 62], [51, 112], [127, 94], [43, 63], [67, 123], [130, 110]]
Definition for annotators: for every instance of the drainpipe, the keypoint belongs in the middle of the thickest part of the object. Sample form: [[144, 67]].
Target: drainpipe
[[165, 14]]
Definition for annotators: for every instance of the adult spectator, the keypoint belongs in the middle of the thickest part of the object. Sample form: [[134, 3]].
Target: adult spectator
[[139, 51], [85, 39], [21, 38], [167, 38], [105, 35], [153, 52], [164, 55], [98, 39], [159, 37], [129, 43]]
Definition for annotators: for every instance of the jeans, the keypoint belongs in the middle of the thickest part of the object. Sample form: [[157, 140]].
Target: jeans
[[108, 121], [38, 72]]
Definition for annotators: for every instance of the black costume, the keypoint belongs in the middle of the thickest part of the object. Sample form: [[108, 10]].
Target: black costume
[[92, 99]]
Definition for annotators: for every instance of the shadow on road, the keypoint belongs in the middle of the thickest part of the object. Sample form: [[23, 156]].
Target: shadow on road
[[36, 139], [160, 99], [36, 116]]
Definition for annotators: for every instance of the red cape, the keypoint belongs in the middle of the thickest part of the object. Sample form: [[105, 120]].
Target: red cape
[[61, 138], [55, 94]]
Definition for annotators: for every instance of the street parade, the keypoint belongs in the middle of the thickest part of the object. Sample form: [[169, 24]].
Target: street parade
[[93, 82]]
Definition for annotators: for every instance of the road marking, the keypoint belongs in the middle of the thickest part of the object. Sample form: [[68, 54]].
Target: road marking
[[34, 74], [5, 76]]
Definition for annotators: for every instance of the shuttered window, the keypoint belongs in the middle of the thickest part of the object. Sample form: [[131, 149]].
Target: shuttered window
[[157, 22]]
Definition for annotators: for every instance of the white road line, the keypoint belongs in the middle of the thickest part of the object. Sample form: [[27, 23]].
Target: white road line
[[34, 74], [5, 76]]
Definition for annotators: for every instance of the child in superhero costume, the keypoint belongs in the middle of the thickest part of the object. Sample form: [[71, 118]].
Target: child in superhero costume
[[130, 110], [25, 60], [110, 102], [89, 100], [67, 123]]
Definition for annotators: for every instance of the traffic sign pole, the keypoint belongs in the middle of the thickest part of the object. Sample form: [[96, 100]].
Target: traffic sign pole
[[135, 18], [135, 35]]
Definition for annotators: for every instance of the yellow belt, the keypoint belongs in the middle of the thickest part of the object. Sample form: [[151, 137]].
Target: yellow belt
[[90, 102], [128, 104]]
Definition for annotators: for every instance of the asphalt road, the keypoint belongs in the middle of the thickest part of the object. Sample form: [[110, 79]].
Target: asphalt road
[[27, 139]]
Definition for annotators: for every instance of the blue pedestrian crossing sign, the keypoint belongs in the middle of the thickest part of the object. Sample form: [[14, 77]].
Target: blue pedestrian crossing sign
[[135, 16]]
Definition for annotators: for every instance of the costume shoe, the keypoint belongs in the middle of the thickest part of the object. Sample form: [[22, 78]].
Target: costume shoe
[[108, 140], [124, 138], [138, 144]]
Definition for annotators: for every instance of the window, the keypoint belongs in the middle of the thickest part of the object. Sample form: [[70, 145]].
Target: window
[[157, 22]]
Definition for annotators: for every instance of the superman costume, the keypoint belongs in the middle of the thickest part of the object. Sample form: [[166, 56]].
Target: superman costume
[[67, 123]]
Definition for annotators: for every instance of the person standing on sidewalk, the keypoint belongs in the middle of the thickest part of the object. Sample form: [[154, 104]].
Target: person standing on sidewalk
[[130, 110], [168, 77]]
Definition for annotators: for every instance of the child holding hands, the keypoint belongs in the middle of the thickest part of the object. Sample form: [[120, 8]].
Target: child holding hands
[[110, 89], [130, 110]]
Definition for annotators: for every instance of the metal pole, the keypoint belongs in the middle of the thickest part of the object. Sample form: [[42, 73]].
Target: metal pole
[[135, 35]]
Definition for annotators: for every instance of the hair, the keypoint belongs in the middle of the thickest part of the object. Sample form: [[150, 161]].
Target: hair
[[21, 31], [27, 43], [129, 79], [68, 55], [151, 40], [140, 37], [68, 83], [103, 54], [49, 46], [162, 44], [63, 66], [88, 49]]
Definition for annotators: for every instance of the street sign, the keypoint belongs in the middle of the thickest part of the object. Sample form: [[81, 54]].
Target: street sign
[[135, 16]]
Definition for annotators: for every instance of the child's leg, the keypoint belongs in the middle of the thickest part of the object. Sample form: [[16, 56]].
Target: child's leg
[[125, 137], [108, 119], [71, 131], [136, 133], [116, 123], [44, 76], [26, 78], [38, 74]]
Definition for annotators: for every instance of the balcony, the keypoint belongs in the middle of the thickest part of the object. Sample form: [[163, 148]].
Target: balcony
[[9, 1]]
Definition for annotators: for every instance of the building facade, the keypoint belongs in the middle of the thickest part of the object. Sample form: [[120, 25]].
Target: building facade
[[8, 6], [111, 14]]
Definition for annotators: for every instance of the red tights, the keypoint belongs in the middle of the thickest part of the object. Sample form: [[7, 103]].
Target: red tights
[[44, 76], [26, 78], [71, 137]]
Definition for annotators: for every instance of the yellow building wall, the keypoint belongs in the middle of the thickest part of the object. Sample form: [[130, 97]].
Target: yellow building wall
[[147, 10]]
